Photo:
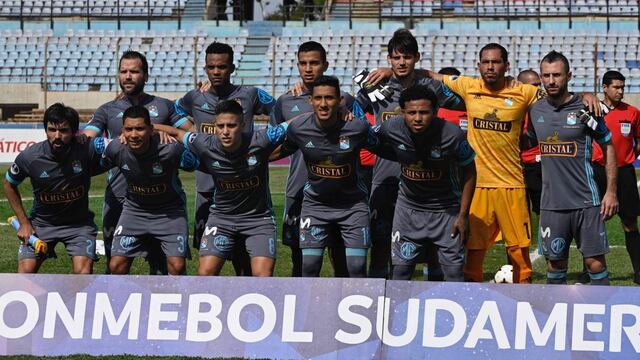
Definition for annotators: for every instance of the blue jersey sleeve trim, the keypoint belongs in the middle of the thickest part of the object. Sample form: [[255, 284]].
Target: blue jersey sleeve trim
[[11, 180], [185, 140], [93, 128], [469, 160], [180, 122], [604, 139]]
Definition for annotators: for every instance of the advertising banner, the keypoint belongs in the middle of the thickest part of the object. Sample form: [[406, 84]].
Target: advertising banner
[[13, 141]]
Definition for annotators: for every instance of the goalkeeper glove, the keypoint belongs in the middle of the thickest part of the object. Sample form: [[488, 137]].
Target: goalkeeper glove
[[588, 119], [375, 92]]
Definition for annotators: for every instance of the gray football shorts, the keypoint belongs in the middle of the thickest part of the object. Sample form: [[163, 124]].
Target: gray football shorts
[[78, 239], [320, 228], [136, 233], [291, 222], [559, 227], [222, 234], [415, 232]]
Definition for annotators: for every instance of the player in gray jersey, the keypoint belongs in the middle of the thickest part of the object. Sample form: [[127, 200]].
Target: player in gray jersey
[[402, 56], [154, 210], [334, 207], [133, 73], [312, 63], [201, 107], [437, 182], [60, 170], [241, 213], [570, 206]]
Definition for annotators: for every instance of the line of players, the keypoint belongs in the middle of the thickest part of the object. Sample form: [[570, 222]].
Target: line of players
[[423, 182]]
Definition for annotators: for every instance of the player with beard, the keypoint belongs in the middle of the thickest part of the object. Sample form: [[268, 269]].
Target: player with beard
[[201, 105], [60, 170], [570, 207], [133, 73]]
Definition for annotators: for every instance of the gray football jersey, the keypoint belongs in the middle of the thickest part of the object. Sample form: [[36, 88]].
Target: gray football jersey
[[565, 148], [286, 108], [60, 182], [430, 163], [202, 108], [108, 120], [152, 178], [385, 171], [332, 157], [241, 178]]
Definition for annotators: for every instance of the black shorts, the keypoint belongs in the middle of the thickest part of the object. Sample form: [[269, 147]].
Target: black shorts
[[628, 198]]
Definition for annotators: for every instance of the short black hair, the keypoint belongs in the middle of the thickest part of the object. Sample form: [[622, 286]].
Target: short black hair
[[137, 111], [418, 92], [611, 75], [403, 42], [504, 54], [526, 72], [131, 54], [554, 56], [230, 107], [326, 80], [220, 48], [59, 113], [313, 46], [449, 70]]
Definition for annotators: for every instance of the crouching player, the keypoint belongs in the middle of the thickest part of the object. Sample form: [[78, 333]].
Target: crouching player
[[155, 206], [241, 211], [60, 169], [437, 181]]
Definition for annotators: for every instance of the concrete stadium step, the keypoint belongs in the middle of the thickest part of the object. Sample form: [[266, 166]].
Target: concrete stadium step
[[252, 58], [194, 9]]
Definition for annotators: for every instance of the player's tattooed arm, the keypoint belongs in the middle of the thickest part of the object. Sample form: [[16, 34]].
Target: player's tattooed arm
[[609, 204], [15, 201], [461, 224]]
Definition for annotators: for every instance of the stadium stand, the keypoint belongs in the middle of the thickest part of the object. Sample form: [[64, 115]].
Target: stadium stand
[[95, 8]]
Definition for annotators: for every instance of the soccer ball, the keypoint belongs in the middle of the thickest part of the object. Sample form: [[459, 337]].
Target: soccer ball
[[504, 275]]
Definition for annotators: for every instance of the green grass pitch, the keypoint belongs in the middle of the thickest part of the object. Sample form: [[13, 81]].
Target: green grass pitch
[[618, 261]]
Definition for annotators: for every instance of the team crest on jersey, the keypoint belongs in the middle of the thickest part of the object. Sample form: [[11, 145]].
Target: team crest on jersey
[[572, 118], [76, 166], [153, 111], [436, 152], [625, 129], [508, 102], [156, 168], [251, 160], [344, 143]]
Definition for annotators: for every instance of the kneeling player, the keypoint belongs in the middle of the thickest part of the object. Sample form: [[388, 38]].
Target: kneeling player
[[570, 206], [241, 212], [155, 206], [433, 205], [60, 169]]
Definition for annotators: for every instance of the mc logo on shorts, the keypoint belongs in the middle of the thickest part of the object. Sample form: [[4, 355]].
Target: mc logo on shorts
[[126, 242], [558, 245], [222, 243], [408, 250]]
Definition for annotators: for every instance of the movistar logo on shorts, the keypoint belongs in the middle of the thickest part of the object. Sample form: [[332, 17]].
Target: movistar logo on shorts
[[554, 147], [327, 169], [417, 172], [240, 184], [60, 197], [148, 190]]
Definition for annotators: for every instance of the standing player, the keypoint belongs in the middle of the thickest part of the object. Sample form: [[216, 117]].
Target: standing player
[[334, 207], [60, 169], [312, 63], [570, 206], [433, 205], [623, 120], [133, 73], [531, 157], [154, 211], [201, 107], [402, 55], [242, 213]]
